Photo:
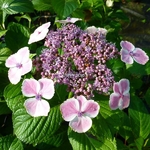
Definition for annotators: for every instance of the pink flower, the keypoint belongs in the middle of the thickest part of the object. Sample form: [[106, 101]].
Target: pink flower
[[40, 33], [68, 20], [121, 96], [36, 106], [19, 64], [93, 29], [79, 113], [130, 53]]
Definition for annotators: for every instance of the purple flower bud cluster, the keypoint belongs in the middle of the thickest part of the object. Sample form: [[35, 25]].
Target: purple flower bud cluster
[[78, 59]]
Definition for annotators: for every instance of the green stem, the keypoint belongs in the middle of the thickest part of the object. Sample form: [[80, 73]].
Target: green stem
[[70, 94]]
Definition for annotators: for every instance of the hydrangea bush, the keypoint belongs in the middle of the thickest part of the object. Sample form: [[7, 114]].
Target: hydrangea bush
[[72, 87]]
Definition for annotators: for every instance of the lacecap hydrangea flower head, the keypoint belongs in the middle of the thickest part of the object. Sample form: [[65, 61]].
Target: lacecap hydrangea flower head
[[77, 58]]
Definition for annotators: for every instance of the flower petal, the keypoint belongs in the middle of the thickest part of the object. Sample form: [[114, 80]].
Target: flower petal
[[140, 56], [126, 57], [23, 55], [14, 75], [30, 87], [68, 20], [91, 29], [26, 67], [124, 86], [81, 124], [114, 101], [11, 61], [116, 88], [69, 109], [40, 33], [91, 108], [127, 46], [47, 88], [126, 101], [37, 108], [81, 99]]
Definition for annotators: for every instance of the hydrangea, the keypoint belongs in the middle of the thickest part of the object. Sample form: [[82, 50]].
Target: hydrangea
[[69, 20], [35, 105], [130, 53], [40, 33], [19, 64], [93, 29], [120, 98], [78, 112], [78, 59]]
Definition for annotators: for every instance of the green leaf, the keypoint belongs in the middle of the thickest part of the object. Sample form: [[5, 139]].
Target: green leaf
[[139, 143], [3, 80], [13, 96], [16, 6], [112, 117], [125, 129], [147, 97], [32, 130], [139, 118], [135, 67], [4, 108], [25, 16], [85, 141], [16, 37], [121, 146], [147, 66], [100, 129], [56, 140], [4, 54], [61, 92], [92, 3], [42, 5], [117, 66], [64, 8], [2, 32], [10, 142]]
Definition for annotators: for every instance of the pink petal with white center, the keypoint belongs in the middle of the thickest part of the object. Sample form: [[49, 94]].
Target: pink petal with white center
[[30, 87], [116, 87], [69, 109], [81, 99], [140, 56], [127, 46], [114, 101], [14, 75], [11, 61], [23, 55], [124, 86], [26, 67], [40, 33], [47, 88], [90, 108], [81, 124], [126, 101], [126, 57], [36, 107]]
